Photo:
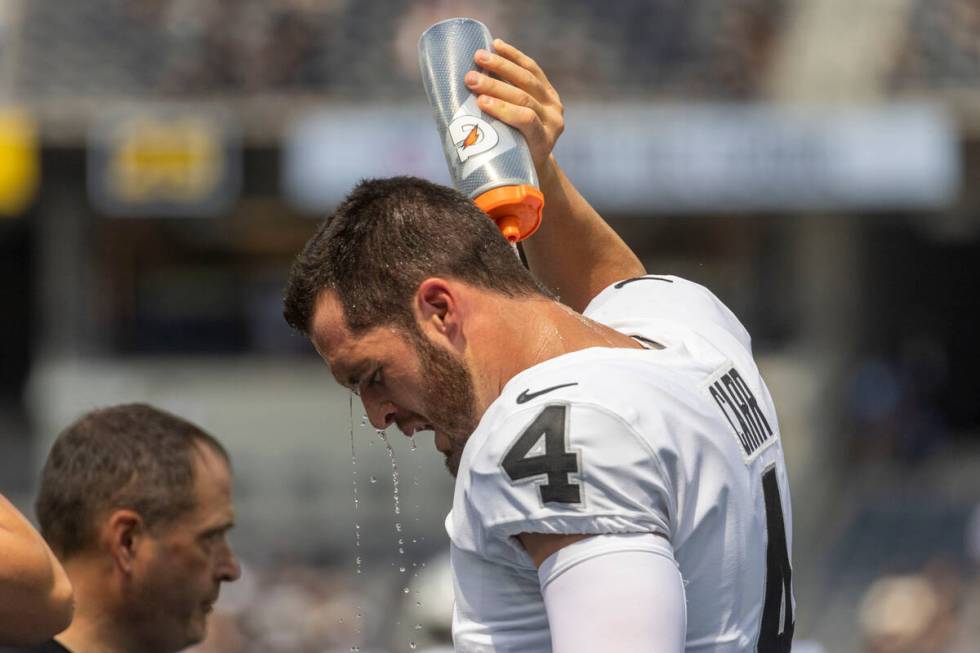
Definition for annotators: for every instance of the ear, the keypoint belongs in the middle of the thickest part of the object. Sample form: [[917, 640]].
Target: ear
[[124, 533], [438, 309]]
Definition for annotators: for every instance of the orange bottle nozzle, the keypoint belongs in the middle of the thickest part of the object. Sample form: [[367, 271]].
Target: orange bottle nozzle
[[510, 227], [515, 209]]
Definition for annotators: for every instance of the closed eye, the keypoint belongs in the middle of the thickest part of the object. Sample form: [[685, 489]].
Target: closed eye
[[375, 379]]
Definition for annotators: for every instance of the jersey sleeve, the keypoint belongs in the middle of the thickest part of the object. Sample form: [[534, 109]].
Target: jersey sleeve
[[630, 305], [567, 467]]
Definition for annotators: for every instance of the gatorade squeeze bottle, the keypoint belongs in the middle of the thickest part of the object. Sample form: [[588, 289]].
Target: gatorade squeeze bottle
[[489, 160]]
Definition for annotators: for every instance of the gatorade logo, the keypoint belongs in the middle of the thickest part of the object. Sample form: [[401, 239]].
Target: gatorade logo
[[471, 136]]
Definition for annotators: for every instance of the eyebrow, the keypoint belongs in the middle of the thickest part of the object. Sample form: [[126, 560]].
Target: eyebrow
[[220, 528]]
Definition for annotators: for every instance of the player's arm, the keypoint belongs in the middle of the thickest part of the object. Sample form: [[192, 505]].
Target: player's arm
[[574, 252], [603, 591], [610, 592], [36, 600]]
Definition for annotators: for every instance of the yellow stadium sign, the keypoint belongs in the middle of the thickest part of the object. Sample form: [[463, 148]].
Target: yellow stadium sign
[[164, 164], [19, 161], [157, 161]]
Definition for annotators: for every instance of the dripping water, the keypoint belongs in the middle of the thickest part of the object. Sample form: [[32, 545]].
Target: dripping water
[[357, 524], [353, 460], [395, 479]]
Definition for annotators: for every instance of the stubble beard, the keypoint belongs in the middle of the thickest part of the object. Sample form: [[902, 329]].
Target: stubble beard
[[450, 402], [166, 622]]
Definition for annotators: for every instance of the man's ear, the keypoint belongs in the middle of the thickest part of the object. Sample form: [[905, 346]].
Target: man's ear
[[437, 308], [124, 533]]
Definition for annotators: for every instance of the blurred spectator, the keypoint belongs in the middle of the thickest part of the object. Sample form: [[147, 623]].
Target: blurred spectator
[[912, 613], [942, 48], [203, 48]]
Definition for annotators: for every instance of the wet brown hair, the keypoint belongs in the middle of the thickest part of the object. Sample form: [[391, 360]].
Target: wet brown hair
[[385, 239]]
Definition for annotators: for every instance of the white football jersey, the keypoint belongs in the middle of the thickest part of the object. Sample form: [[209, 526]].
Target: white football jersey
[[681, 441]]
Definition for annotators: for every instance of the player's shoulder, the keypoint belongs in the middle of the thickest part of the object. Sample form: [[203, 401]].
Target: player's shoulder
[[598, 398], [633, 305], [596, 381], [557, 454]]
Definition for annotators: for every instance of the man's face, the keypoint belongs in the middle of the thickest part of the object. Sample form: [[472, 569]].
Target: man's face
[[186, 561], [401, 377]]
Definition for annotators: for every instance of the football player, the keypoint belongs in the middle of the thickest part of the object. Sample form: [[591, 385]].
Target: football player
[[620, 483]]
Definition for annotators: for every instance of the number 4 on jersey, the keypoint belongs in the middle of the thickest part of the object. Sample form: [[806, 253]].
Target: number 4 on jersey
[[554, 462], [776, 630]]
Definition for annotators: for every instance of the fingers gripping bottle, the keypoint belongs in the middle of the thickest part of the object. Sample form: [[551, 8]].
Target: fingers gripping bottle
[[489, 160]]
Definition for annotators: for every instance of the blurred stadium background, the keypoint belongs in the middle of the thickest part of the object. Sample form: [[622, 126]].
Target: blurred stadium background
[[815, 162]]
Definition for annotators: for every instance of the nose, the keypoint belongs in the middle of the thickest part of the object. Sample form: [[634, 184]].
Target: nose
[[381, 413], [229, 569]]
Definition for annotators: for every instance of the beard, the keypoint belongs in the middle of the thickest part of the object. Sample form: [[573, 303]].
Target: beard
[[162, 610], [449, 399]]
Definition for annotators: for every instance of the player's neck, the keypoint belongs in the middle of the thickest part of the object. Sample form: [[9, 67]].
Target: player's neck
[[528, 332]]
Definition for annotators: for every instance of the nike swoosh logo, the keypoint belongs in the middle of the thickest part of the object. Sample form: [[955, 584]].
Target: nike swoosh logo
[[646, 278], [528, 396]]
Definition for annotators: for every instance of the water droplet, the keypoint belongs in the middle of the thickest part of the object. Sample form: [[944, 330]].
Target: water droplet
[[411, 645], [374, 479], [418, 604], [341, 620], [405, 590], [401, 570], [412, 440]]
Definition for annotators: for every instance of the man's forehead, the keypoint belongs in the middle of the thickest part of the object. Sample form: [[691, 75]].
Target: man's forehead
[[212, 471], [212, 485], [329, 328], [340, 349]]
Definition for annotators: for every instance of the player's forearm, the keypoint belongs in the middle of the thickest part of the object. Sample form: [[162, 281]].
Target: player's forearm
[[36, 600], [575, 253]]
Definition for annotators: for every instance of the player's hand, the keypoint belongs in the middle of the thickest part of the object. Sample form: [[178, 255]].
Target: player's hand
[[521, 96]]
